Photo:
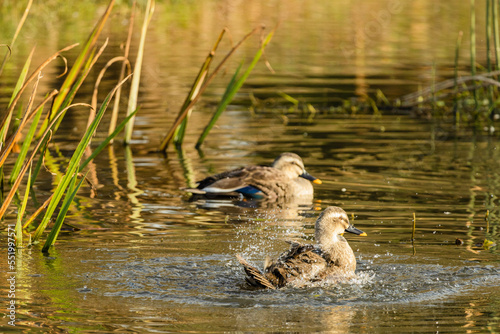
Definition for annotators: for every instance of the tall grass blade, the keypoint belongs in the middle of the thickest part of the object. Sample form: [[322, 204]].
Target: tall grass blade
[[26, 145], [43, 148], [27, 163], [226, 98], [32, 77], [195, 90], [74, 164], [80, 60], [70, 195], [20, 214], [233, 87], [18, 29], [108, 139], [134, 87]]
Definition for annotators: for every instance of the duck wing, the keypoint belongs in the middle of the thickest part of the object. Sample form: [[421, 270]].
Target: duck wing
[[301, 262], [254, 275], [254, 181]]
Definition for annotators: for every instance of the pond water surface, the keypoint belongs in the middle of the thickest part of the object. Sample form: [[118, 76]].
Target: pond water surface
[[140, 256]]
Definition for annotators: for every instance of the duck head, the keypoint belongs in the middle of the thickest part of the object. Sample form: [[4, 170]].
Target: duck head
[[293, 166], [331, 224]]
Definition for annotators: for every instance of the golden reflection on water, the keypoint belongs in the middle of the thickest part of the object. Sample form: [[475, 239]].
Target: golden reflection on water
[[145, 258]]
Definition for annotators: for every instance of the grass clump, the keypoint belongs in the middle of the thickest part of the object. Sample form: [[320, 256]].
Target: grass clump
[[47, 120]]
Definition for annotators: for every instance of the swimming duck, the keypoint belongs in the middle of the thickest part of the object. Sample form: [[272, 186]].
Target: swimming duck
[[331, 258], [286, 178]]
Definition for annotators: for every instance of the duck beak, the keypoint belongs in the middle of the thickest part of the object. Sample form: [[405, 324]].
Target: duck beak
[[311, 178], [352, 229]]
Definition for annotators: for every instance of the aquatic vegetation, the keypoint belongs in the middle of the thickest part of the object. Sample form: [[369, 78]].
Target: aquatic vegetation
[[62, 100], [332, 257]]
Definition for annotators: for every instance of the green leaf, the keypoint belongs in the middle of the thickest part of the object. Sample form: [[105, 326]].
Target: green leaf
[[74, 164], [70, 195], [20, 214], [25, 147]]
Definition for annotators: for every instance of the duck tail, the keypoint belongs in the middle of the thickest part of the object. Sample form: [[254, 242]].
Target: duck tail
[[254, 275]]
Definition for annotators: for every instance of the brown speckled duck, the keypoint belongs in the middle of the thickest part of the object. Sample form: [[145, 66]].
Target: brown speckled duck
[[331, 258], [286, 178]]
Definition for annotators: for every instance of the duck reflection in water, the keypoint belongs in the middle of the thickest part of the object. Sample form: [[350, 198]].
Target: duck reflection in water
[[330, 259], [285, 179]]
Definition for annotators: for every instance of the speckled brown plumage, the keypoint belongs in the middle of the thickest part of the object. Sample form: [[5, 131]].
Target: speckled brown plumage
[[286, 178], [332, 258]]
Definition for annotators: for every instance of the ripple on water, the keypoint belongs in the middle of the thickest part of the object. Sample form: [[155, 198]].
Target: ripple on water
[[218, 280]]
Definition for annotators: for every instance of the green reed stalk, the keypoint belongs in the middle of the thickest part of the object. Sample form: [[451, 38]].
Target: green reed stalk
[[134, 87], [27, 116], [232, 88], [70, 195], [74, 165], [79, 63], [95, 152], [195, 90], [20, 214], [27, 163]]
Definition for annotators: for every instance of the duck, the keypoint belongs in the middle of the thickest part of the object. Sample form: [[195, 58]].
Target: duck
[[331, 258], [285, 178]]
